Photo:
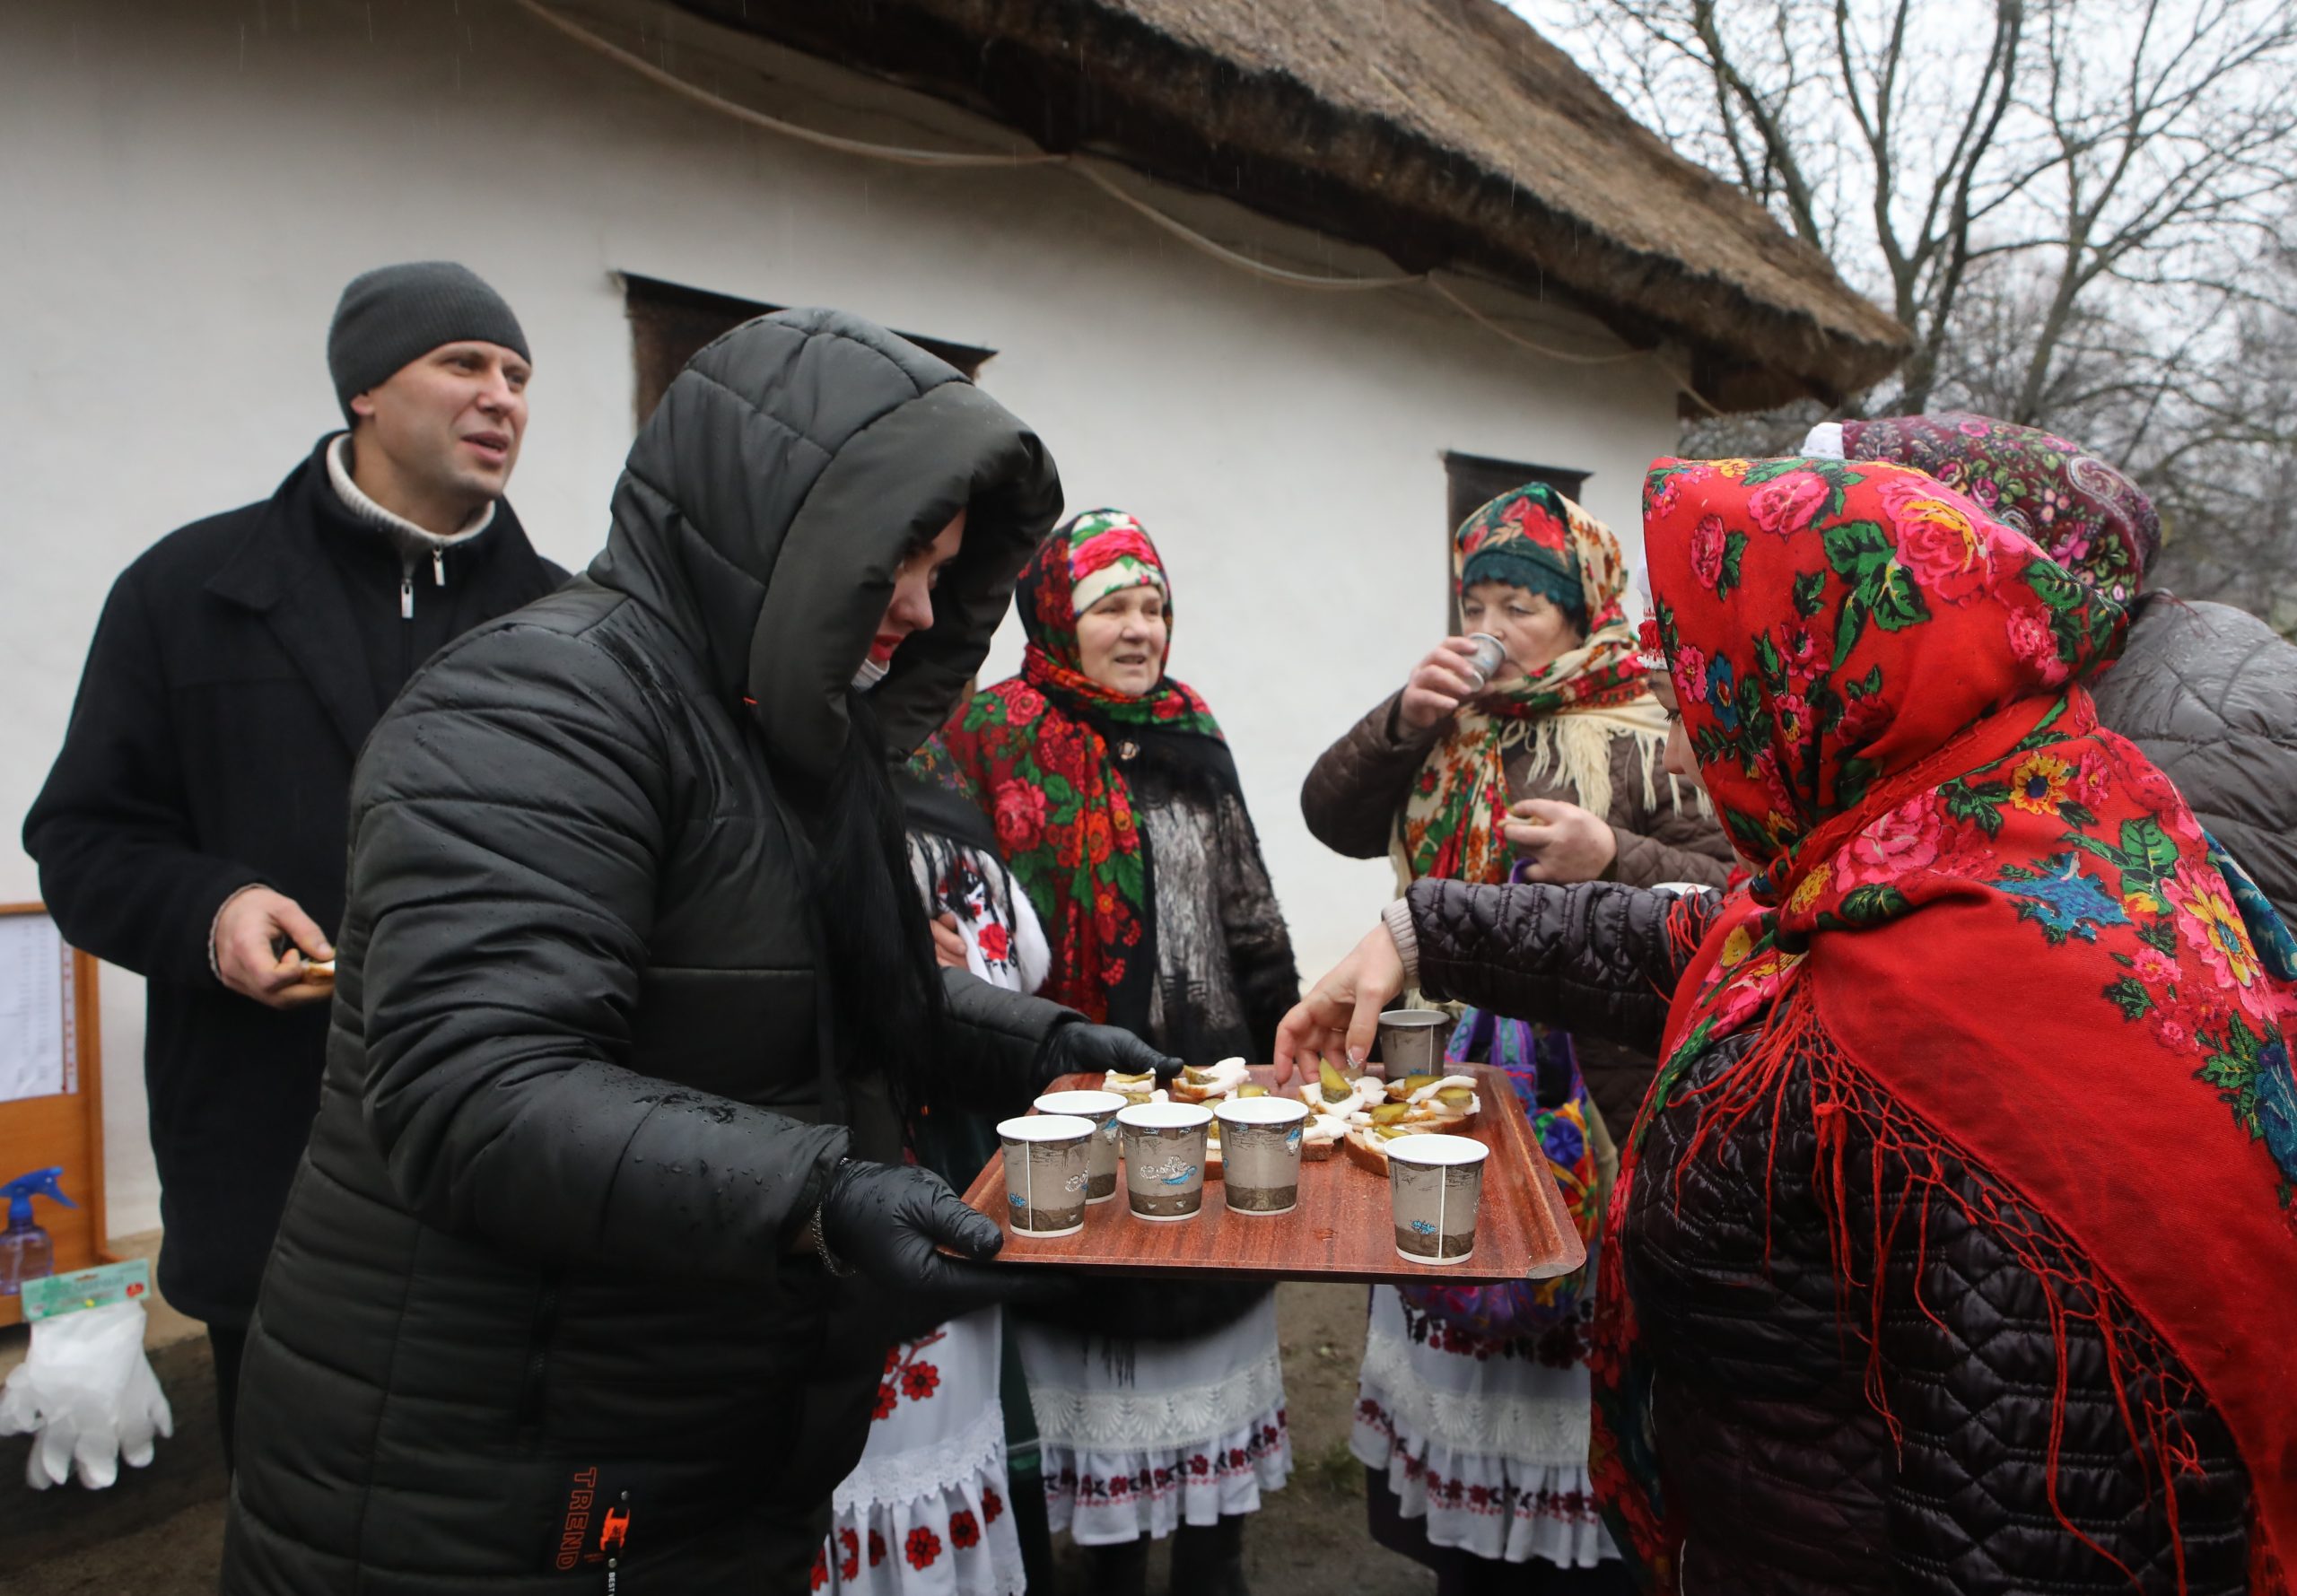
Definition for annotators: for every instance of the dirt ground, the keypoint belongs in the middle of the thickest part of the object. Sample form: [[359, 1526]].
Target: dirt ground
[[1308, 1540]]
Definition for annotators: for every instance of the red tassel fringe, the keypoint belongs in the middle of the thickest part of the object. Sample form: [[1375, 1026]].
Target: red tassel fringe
[[1793, 1042]]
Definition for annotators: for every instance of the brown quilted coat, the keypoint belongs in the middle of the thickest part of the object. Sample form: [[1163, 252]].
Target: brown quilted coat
[[1356, 791]]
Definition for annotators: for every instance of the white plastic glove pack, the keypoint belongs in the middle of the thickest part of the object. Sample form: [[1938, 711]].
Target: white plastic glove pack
[[87, 1396]]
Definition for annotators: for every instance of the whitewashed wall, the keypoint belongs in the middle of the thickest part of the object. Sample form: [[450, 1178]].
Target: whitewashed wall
[[184, 187]]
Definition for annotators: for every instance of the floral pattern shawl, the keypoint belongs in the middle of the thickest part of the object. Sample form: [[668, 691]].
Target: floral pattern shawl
[[1452, 818], [2086, 515], [1875, 683], [1045, 750]]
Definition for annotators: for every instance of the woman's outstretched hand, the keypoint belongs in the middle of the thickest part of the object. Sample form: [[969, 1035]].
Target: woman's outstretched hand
[[1340, 1015]]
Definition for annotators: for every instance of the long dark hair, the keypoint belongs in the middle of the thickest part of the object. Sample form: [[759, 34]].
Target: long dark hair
[[886, 990]]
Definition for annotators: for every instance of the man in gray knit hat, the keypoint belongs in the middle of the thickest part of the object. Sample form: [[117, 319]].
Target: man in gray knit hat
[[193, 827]]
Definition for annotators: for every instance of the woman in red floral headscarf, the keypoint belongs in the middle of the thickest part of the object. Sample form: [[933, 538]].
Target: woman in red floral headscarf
[[2208, 691], [1115, 801], [1954, 1246]]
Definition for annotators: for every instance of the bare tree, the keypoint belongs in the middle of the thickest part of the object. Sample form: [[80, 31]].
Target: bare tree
[[2077, 206]]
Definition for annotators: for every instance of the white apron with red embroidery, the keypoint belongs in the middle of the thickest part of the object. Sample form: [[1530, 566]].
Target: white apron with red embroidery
[[1139, 1437], [925, 1511], [1486, 1440]]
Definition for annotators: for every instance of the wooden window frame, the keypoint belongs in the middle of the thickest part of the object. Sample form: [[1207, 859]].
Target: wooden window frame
[[1473, 481], [670, 322]]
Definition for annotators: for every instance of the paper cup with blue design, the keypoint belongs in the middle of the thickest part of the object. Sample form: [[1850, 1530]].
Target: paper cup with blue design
[[1101, 1108], [1048, 1167], [1260, 1153], [1164, 1158], [1435, 1186]]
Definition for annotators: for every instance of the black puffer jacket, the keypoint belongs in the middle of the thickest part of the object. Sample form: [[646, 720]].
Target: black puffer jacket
[[583, 1080], [1787, 1475], [2210, 692]]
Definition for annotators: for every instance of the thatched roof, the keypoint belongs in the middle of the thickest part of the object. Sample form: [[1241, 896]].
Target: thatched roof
[[1443, 133]]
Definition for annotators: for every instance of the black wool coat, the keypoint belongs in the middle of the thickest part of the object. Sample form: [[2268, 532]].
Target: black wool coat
[[587, 1074], [210, 748]]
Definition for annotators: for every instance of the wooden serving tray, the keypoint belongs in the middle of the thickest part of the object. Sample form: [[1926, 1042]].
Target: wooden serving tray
[[1342, 1229]]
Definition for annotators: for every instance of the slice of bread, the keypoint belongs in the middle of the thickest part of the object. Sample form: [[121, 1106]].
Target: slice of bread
[[1367, 1150]]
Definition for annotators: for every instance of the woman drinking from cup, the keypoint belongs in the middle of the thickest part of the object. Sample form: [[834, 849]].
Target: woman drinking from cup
[[1547, 771], [1116, 805]]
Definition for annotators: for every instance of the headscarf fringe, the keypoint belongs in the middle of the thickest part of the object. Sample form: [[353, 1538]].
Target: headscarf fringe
[[1686, 923], [1915, 1166]]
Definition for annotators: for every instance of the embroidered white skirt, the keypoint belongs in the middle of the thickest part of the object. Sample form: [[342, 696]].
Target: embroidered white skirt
[[1486, 1440], [924, 1513], [1142, 1436]]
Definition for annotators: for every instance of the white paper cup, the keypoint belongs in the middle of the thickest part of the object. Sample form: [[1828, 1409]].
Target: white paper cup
[[1434, 1187], [1101, 1108], [1411, 1041], [1048, 1164], [1260, 1153], [1164, 1158]]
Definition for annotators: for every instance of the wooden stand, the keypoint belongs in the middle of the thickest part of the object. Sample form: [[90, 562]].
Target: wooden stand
[[67, 1128]]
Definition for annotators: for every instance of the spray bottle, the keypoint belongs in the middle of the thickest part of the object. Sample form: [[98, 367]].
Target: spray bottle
[[27, 1252]]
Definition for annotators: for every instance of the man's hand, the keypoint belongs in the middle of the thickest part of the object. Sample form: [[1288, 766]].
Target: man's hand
[[1560, 842], [248, 934], [1440, 684], [1340, 1015], [948, 948]]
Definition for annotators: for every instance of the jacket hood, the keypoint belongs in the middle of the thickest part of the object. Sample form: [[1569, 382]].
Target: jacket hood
[[768, 502]]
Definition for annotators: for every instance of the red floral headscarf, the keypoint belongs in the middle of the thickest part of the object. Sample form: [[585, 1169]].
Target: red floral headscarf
[[1039, 748], [1989, 930]]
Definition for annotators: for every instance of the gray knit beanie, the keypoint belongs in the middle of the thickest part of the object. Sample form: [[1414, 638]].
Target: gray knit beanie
[[396, 314]]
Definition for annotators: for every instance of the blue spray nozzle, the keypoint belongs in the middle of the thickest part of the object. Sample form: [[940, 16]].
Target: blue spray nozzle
[[20, 1193]]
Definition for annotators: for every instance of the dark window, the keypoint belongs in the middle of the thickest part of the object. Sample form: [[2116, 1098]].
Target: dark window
[[1471, 482], [669, 321]]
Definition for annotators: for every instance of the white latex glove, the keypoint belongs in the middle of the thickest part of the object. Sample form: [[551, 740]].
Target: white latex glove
[[88, 1396]]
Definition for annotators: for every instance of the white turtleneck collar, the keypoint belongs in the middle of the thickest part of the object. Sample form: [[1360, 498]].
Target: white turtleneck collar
[[406, 533]]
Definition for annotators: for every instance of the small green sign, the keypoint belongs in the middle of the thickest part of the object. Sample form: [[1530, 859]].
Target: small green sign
[[98, 1287]]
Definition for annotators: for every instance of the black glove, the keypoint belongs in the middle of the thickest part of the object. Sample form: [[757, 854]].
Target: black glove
[[888, 1221], [1079, 1048]]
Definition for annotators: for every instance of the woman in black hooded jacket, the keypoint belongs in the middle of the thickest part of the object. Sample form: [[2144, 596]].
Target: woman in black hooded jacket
[[603, 1231]]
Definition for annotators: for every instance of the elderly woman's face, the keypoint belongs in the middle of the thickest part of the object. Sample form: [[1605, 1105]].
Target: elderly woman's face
[[1533, 627], [1121, 640]]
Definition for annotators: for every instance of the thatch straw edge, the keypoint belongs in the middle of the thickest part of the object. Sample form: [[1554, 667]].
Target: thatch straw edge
[[1440, 132]]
